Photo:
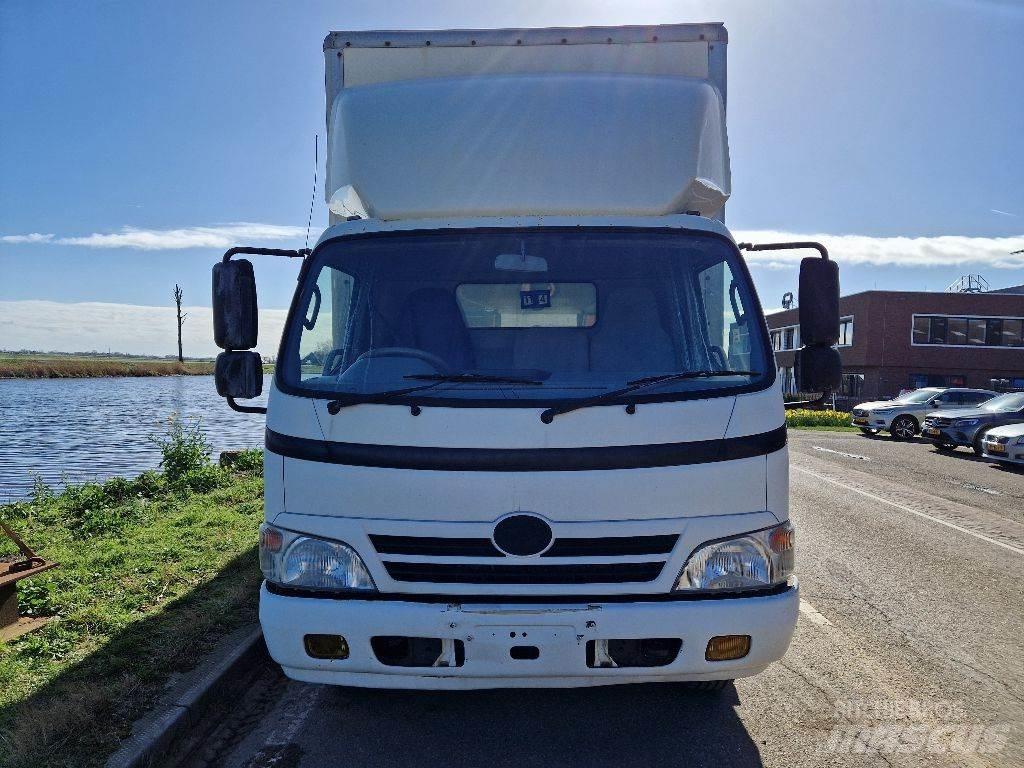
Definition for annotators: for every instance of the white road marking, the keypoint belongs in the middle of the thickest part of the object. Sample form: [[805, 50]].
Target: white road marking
[[301, 701], [973, 487], [812, 614], [841, 453], [905, 508]]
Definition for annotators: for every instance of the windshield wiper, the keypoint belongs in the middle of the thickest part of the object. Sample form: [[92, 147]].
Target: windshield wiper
[[435, 380], [633, 386], [470, 378]]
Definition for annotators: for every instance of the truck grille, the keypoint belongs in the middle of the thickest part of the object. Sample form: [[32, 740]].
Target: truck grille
[[546, 568], [459, 573], [937, 421]]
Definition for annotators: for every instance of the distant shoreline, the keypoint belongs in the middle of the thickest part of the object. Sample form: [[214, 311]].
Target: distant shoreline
[[59, 367]]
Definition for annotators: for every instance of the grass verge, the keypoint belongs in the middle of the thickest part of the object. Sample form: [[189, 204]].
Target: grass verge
[[153, 572], [86, 367]]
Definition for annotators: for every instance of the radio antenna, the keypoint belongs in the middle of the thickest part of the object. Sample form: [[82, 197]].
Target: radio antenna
[[312, 197]]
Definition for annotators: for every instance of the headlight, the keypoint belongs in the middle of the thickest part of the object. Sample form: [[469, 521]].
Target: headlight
[[750, 561], [294, 560], [965, 422], [1020, 440]]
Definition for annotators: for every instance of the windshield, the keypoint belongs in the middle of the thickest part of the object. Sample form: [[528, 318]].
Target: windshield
[[524, 316], [918, 396], [1008, 402]]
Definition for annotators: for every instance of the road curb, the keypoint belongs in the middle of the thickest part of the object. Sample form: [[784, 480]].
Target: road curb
[[188, 703]]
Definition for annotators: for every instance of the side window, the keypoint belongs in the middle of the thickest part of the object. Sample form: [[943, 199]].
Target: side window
[[727, 319], [325, 325]]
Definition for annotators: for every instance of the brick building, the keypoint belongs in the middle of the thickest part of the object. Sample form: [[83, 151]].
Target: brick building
[[895, 340]]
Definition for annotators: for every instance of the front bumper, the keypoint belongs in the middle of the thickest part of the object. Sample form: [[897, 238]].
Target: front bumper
[[559, 631], [950, 435], [871, 421], [1008, 452]]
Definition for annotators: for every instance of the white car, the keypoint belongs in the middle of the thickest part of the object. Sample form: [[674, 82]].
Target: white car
[[1005, 444], [902, 416]]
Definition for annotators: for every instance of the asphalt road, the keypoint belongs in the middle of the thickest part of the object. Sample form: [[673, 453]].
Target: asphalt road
[[909, 651]]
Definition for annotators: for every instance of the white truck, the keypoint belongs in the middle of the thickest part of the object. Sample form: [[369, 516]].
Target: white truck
[[525, 427]]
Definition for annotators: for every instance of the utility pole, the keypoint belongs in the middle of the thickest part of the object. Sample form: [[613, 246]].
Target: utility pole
[[181, 319]]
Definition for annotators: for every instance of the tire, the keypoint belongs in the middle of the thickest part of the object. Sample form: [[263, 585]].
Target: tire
[[869, 431], [707, 686], [976, 444], [904, 428]]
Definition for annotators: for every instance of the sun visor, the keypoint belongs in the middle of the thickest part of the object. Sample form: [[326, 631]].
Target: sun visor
[[565, 144]]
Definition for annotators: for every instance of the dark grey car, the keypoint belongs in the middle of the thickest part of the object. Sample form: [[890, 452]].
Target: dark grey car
[[967, 426]]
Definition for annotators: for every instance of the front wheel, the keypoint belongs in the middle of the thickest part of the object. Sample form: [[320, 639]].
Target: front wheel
[[976, 443], [903, 427]]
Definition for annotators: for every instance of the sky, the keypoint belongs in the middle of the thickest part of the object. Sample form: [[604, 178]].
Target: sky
[[140, 139]]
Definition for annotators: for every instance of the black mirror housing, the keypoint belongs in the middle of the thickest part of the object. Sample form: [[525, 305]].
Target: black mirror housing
[[235, 313], [819, 303], [239, 374], [818, 369]]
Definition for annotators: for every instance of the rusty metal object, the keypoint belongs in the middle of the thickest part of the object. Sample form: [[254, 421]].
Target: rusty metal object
[[12, 571]]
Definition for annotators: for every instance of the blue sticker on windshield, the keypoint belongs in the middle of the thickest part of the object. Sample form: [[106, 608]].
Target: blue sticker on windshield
[[540, 299]]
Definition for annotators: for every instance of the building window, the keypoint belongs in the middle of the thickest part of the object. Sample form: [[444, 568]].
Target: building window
[[845, 332], [788, 337], [919, 380], [852, 385], [788, 381], [968, 331]]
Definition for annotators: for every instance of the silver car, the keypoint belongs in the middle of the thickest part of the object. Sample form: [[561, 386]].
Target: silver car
[[1005, 444], [902, 416]]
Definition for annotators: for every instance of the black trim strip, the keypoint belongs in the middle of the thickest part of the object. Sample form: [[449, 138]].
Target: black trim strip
[[458, 573], [533, 599], [610, 546], [526, 459]]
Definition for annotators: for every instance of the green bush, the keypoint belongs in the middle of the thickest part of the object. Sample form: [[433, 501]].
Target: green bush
[[184, 449], [804, 417], [249, 461]]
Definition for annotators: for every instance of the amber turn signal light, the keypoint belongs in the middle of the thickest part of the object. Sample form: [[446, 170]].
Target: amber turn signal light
[[727, 647], [326, 646]]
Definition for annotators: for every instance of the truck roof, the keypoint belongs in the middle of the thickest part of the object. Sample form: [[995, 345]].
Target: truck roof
[[556, 121], [415, 38]]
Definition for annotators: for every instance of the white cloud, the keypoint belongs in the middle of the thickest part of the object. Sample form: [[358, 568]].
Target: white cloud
[[32, 237], [942, 251], [131, 328], [221, 236]]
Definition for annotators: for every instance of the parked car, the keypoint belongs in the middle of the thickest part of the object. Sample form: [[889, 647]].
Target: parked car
[[902, 416], [1004, 444], [967, 426]]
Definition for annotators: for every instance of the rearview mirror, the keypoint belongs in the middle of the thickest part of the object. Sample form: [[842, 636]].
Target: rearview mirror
[[235, 314], [819, 303], [516, 262], [818, 369], [239, 374]]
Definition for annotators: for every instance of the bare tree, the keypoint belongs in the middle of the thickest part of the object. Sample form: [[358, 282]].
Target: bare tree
[[181, 319]]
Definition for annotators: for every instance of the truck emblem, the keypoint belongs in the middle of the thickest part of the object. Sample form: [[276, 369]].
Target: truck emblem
[[522, 535]]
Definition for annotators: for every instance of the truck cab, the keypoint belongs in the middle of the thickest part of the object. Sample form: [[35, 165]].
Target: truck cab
[[525, 427]]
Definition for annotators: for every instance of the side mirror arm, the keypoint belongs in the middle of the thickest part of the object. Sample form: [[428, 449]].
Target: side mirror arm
[[234, 406]]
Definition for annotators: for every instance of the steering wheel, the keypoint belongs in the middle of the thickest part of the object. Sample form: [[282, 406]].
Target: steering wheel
[[433, 361]]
